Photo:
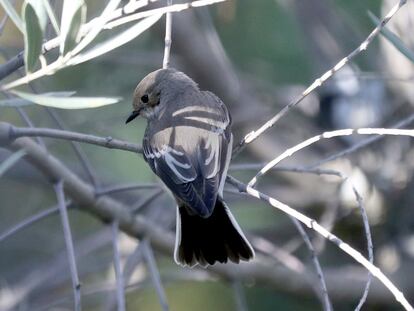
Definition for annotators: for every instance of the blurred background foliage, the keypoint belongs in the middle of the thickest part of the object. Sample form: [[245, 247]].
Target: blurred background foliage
[[273, 50]]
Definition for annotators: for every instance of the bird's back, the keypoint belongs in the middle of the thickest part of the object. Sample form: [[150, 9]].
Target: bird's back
[[187, 147]]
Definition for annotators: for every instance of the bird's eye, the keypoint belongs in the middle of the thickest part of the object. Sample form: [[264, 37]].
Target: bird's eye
[[144, 98]]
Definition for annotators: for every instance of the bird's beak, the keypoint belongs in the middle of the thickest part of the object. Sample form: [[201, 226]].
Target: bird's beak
[[132, 116]]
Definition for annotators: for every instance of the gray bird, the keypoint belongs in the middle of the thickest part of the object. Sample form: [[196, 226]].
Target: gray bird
[[188, 144]]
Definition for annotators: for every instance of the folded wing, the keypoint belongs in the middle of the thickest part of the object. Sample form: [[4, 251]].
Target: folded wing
[[189, 152]]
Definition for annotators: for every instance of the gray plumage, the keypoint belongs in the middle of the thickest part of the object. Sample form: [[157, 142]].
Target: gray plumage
[[188, 144]]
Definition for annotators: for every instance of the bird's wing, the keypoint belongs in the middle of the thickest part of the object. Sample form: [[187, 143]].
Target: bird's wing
[[189, 153]]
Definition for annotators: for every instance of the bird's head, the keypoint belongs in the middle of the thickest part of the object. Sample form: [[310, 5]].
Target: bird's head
[[150, 93]]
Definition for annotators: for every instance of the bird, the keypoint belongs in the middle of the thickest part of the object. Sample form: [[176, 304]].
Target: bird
[[188, 145]]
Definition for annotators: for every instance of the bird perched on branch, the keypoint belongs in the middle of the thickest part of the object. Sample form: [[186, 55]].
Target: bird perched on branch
[[188, 144]]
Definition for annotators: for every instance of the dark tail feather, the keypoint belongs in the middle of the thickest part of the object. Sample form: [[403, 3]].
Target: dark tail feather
[[207, 240]]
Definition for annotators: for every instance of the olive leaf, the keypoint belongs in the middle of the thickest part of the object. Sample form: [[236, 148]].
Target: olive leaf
[[35, 21], [67, 102], [116, 41], [19, 102], [73, 17]]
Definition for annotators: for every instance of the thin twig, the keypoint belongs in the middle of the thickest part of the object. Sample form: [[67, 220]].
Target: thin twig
[[83, 159], [3, 23], [168, 27], [155, 275], [370, 246], [132, 261], [327, 135], [12, 160], [360, 145], [240, 297], [29, 221], [311, 223], [290, 169], [107, 142], [108, 209], [29, 123], [120, 291], [145, 202], [284, 257], [69, 244], [250, 137], [324, 290], [127, 187]]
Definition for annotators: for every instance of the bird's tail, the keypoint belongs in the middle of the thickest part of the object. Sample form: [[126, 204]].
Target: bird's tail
[[207, 240]]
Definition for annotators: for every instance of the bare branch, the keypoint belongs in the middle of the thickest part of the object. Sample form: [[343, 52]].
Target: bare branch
[[239, 295], [140, 204], [120, 293], [69, 244], [83, 159], [324, 291], [155, 274], [167, 48], [361, 144], [11, 65], [29, 221], [290, 169], [107, 142], [311, 223], [127, 187], [11, 161], [370, 246], [327, 135], [108, 209]]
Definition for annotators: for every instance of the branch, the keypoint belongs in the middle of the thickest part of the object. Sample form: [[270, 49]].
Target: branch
[[126, 187], [69, 244], [327, 135], [155, 275], [360, 145], [250, 137], [369, 244], [239, 296], [167, 48], [11, 65], [311, 223], [28, 221], [120, 286], [13, 132], [326, 302], [83, 159], [108, 210]]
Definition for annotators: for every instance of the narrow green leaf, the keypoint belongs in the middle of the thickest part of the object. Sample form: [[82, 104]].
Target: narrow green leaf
[[67, 102], [19, 102], [393, 39], [51, 15], [35, 21], [98, 25], [117, 41], [73, 17], [10, 161], [11, 12]]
